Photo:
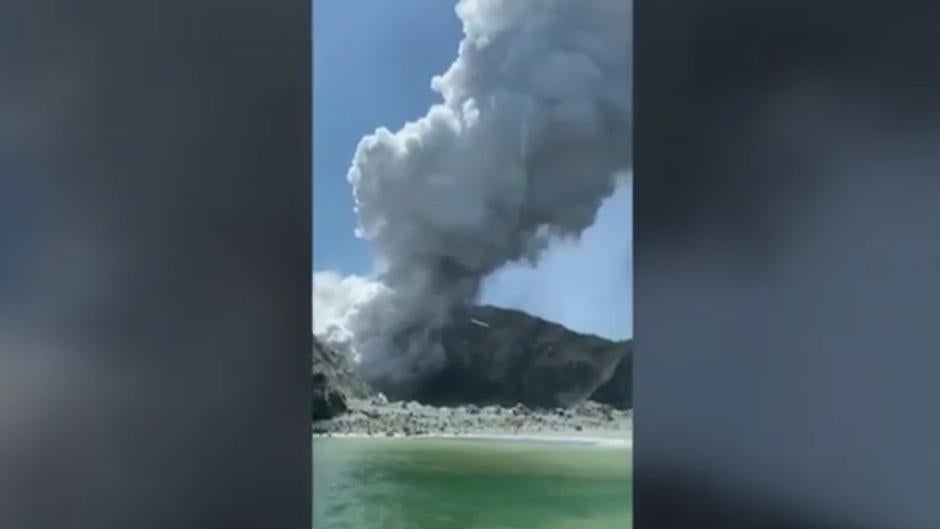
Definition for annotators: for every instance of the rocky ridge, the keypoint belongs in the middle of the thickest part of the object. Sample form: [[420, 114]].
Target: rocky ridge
[[505, 371], [497, 356]]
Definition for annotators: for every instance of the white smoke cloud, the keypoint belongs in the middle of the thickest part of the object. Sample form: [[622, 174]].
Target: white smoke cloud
[[533, 127], [584, 284], [338, 303]]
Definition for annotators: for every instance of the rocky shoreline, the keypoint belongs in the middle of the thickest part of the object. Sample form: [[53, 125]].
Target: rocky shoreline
[[506, 374], [377, 416]]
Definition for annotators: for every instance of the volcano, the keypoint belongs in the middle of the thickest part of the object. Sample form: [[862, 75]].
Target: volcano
[[497, 356]]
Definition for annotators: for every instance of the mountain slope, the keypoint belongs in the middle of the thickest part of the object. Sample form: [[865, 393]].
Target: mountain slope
[[334, 382], [618, 390], [494, 356], [503, 356]]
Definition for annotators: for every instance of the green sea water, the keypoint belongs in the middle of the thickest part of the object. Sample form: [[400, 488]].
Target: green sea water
[[469, 484]]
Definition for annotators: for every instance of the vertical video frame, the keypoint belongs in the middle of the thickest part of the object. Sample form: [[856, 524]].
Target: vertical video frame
[[472, 254]]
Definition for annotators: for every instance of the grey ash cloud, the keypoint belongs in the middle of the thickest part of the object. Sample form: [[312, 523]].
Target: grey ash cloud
[[532, 133]]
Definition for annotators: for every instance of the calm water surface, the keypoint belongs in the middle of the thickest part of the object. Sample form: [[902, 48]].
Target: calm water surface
[[464, 484]]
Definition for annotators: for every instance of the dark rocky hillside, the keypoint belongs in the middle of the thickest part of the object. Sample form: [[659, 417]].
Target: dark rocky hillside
[[618, 391], [334, 382], [505, 357], [495, 356]]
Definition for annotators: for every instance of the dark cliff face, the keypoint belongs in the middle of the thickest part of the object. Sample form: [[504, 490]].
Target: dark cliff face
[[618, 390], [334, 382], [495, 356], [502, 356]]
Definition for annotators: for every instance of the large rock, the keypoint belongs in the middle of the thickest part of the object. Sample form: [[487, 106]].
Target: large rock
[[502, 356], [334, 382]]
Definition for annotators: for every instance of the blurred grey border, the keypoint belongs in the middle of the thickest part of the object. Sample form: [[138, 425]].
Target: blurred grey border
[[154, 264], [787, 183]]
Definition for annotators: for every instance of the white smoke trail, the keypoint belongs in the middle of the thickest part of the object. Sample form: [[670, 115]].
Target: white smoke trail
[[534, 124]]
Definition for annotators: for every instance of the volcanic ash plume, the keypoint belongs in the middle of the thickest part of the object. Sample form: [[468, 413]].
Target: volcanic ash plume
[[530, 138]]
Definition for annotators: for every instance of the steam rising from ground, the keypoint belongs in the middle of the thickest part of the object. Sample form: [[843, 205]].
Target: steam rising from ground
[[532, 135]]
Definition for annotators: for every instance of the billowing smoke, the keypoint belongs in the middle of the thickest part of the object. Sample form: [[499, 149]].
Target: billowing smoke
[[533, 133]]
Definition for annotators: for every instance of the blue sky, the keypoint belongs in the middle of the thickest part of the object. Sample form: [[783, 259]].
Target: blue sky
[[373, 64]]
